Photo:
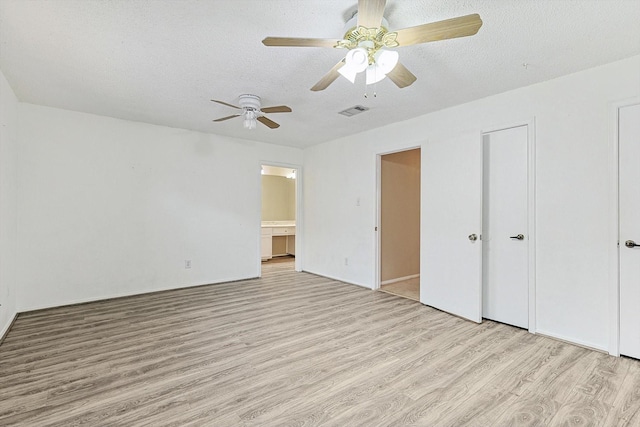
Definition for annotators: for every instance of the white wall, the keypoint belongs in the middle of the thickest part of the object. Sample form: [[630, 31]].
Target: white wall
[[8, 203], [572, 135], [110, 207]]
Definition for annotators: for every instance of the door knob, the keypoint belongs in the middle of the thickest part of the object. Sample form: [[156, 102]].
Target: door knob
[[631, 244], [473, 237], [518, 237]]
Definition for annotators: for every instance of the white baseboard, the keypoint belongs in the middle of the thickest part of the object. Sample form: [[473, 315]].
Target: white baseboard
[[6, 328], [337, 278], [400, 279], [589, 345], [132, 293]]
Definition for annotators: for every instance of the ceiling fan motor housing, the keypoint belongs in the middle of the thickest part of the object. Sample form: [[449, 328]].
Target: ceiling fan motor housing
[[250, 102], [352, 24], [252, 111]]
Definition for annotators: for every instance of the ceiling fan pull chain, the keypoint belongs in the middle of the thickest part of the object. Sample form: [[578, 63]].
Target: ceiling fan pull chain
[[366, 94], [375, 84]]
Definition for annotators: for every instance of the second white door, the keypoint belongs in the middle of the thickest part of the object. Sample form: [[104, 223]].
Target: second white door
[[629, 233], [504, 230]]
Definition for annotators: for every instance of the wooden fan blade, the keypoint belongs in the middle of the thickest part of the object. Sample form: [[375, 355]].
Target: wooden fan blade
[[278, 109], [401, 76], [268, 123], [299, 42], [370, 13], [222, 119], [328, 78], [461, 26], [224, 103]]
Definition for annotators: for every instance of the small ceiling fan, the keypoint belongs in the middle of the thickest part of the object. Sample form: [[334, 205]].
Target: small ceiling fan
[[251, 111], [368, 40]]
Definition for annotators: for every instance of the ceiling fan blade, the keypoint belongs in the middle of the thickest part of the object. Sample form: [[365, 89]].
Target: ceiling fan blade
[[224, 103], [278, 109], [401, 76], [299, 42], [370, 13], [461, 26], [221, 119], [267, 122], [328, 78]]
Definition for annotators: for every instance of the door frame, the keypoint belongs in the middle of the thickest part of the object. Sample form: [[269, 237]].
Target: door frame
[[299, 213], [614, 223], [378, 214], [531, 208]]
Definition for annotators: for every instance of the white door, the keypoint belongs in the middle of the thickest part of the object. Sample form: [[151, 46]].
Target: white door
[[451, 278], [504, 227], [629, 233]]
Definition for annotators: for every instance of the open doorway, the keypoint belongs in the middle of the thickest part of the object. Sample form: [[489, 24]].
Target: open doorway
[[399, 206], [278, 218]]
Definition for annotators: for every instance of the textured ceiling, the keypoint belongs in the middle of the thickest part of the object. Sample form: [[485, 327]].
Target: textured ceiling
[[161, 61]]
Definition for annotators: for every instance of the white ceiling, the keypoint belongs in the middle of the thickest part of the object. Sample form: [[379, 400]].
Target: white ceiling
[[161, 61]]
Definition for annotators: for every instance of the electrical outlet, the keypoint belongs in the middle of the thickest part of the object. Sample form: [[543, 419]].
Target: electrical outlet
[[346, 261], [187, 263]]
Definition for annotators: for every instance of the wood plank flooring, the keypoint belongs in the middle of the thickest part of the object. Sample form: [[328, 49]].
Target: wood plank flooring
[[409, 288], [294, 349]]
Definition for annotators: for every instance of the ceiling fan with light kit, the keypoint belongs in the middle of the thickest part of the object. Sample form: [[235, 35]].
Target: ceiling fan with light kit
[[369, 41], [252, 111]]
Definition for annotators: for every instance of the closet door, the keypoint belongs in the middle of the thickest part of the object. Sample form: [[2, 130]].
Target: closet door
[[629, 233], [504, 232], [451, 267]]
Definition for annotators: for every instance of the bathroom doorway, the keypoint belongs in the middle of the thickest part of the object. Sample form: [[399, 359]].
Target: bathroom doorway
[[278, 218]]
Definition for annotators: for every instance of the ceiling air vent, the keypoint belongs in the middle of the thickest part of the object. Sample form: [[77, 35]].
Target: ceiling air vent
[[353, 111]]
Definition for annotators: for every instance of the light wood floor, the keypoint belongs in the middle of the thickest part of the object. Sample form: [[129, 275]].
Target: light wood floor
[[278, 264], [298, 349], [409, 288]]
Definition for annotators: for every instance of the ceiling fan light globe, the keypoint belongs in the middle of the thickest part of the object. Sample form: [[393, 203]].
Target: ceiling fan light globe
[[249, 123], [386, 60], [374, 75], [348, 72], [358, 59]]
